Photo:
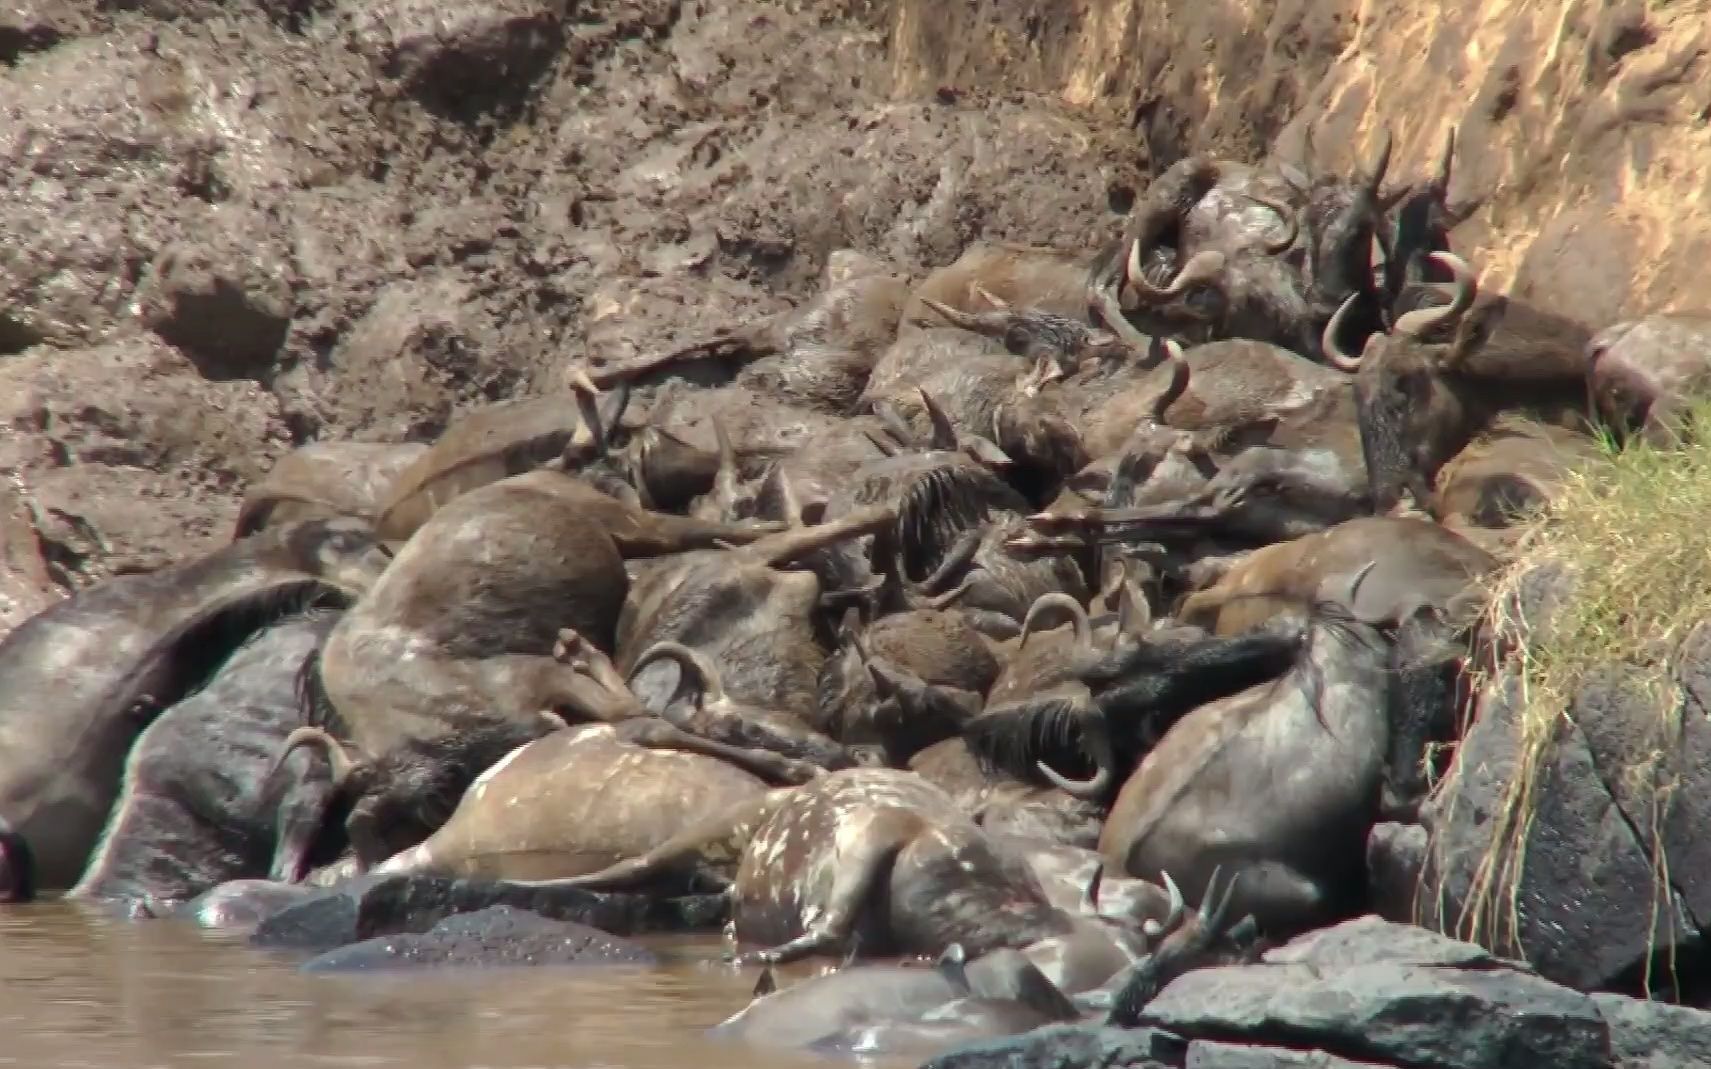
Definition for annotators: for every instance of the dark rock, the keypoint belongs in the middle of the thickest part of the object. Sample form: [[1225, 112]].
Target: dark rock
[[1372, 940], [371, 906], [226, 303], [1395, 862], [446, 52], [1653, 1035], [495, 936], [1583, 910], [1205, 1055], [1416, 1015], [1069, 1046]]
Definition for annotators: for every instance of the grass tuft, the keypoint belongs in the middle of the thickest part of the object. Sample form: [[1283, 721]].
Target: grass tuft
[[1630, 532]]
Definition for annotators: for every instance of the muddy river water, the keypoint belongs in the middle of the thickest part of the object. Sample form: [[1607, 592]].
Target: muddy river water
[[80, 989]]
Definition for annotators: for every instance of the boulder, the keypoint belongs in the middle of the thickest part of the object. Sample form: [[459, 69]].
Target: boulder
[[449, 53], [370, 906], [495, 936], [1652, 1035], [1615, 804], [1372, 991], [1069, 1046], [1207, 1055]]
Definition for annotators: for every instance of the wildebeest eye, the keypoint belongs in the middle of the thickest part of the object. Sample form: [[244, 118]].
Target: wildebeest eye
[[1017, 338]]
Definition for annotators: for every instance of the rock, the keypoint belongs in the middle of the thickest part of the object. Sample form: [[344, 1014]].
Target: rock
[[447, 53], [1372, 940], [26, 588], [371, 906], [1205, 1055], [1068, 1046], [1652, 1035], [1395, 861], [225, 302], [1424, 1016], [1591, 910], [495, 936]]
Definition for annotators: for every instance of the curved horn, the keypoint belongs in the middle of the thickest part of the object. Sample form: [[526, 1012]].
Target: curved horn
[[1090, 893], [689, 663], [1335, 354], [989, 297], [1202, 267], [1057, 599], [1286, 214], [944, 431], [1173, 914], [1096, 736], [1420, 320], [337, 756], [587, 402], [1178, 384], [956, 316]]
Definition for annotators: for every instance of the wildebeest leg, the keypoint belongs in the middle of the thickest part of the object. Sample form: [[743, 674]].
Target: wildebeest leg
[[17, 876], [718, 838], [855, 870], [1188, 947], [993, 624], [656, 734], [955, 560], [301, 815]]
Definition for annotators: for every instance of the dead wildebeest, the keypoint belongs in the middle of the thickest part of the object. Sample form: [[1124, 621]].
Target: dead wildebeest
[[325, 479], [80, 680], [197, 807], [450, 659], [1265, 268], [580, 800], [1643, 373], [1419, 563], [1278, 784], [714, 715], [816, 356], [744, 610], [892, 1009], [505, 438], [1421, 402], [1116, 703], [1510, 470], [1009, 805], [1261, 496], [879, 861], [1040, 277]]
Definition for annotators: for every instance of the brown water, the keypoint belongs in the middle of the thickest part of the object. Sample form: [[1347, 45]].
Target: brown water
[[80, 989]]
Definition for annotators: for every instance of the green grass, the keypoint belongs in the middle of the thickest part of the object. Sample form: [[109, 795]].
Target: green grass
[[1631, 529]]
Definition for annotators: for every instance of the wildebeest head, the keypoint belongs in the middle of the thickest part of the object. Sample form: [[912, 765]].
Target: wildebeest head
[[343, 551], [1412, 419]]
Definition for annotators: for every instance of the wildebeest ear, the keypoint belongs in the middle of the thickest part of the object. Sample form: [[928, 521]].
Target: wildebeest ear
[[766, 985]]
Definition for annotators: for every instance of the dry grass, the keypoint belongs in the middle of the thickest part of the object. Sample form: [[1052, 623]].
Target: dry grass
[[1632, 531]]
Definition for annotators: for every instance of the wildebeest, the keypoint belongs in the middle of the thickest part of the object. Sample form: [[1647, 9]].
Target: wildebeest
[[198, 806], [1278, 785], [325, 479], [451, 658], [82, 679], [1642, 373]]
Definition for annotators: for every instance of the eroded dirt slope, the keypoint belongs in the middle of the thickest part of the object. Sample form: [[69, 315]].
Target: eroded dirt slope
[[230, 228]]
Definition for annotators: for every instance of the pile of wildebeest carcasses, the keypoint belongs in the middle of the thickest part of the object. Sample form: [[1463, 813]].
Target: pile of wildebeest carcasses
[[1065, 615]]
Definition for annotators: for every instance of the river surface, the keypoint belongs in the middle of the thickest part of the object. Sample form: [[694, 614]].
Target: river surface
[[82, 989]]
